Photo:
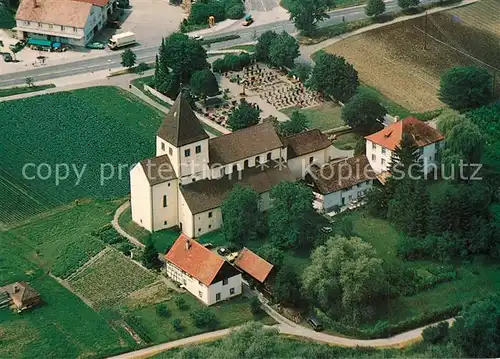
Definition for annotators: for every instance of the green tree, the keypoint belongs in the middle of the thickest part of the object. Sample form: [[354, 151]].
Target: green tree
[[293, 222], [29, 81], [283, 51], [128, 58], [240, 214], [360, 148], [177, 324], [181, 303], [150, 255], [375, 7], [203, 83], [255, 305], [165, 81], [406, 4], [487, 118], [298, 123], [286, 287], [345, 275], [404, 157], [219, 66], [364, 113], [204, 318], [477, 331], [272, 254], [183, 55], [162, 310], [301, 71], [335, 77], [466, 87], [306, 14], [264, 45], [243, 116], [449, 119]]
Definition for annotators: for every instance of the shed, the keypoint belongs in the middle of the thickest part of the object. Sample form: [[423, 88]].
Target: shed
[[22, 295]]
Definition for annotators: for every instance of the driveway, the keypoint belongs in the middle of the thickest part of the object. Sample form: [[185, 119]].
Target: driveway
[[261, 5]]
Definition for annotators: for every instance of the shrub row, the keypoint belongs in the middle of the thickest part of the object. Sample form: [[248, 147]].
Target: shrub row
[[232, 62], [382, 329], [220, 39], [136, 324]]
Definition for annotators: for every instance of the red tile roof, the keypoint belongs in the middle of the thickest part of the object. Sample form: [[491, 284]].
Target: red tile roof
[[196, 260], [254, 265], [391, 136]]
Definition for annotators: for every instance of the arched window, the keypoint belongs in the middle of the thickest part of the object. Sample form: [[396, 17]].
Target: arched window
[[245, 164], [257, 160], [269, 156]]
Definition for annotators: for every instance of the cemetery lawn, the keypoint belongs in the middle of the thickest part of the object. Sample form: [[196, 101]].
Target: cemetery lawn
[[91, 130], [323, 117]]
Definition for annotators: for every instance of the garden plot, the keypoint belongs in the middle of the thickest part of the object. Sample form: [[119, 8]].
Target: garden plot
[[393, 58], [110, 278]]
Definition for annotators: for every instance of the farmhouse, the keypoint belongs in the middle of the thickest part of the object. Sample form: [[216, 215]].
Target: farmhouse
[[203, 273], [191, 175], [381, 145], [22, 295], [72, 22], [338, 185]]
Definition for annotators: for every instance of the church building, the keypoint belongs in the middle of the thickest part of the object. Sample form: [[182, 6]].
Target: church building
[[187, 181]]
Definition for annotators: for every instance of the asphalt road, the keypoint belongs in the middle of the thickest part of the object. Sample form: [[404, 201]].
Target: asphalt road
[[147, 54]]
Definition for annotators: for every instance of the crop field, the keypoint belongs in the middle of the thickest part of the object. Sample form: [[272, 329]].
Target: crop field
[[84, 134], [393, 58], [110, 278]]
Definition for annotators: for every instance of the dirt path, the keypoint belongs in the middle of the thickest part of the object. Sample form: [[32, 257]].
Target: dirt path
[[119, 229]]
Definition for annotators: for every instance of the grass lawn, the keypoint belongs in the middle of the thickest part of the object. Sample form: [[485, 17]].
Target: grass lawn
[[147, 80], [101, 132], [323, 117], [230, 313], [23, 89], [476, 279], [347, 141], [162, 239]]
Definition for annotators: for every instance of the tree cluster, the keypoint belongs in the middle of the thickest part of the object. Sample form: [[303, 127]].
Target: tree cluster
[[179, 57], [232, 62], [364, 113], [306, 14], [220, 10], [244, 115], [298, 123], [375, 7], [203, 83], [277, 49]]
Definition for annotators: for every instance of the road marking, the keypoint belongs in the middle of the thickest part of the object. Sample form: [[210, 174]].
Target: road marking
[[263, 6]]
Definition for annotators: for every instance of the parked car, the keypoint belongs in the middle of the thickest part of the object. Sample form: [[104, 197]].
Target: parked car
[[222, 251], [327, 229], [197, 37], [7, 57], [208, 245], [315, 323], [96, 45], [248, 20]]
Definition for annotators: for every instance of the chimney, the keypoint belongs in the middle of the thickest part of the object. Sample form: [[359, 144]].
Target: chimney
[[188, 244], [16, 288]]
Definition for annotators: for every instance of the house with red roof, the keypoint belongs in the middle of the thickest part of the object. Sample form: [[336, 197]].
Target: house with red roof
[[381, 145], [202, 272], [253, 265]]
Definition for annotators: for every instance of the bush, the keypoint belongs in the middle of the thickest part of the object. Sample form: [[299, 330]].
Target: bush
[[219, 66], [245, 59], [232, 62], [200, 12], [255, 306], [237, 11], [162, 310], [203, 318], [177, 324], [181, 303], [124, 247], [436, 333], [142, 67], [136, 324]]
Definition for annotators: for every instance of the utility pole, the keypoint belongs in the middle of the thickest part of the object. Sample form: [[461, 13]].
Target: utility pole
[[425, 29]]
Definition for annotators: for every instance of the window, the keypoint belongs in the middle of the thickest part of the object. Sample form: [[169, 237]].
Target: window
[[223, 171], [187, 153], [200, 294], [350, 198], [62, 28], [165, 223], [382, 161], [198, 149], [163, 146], [224, 281], [383, 150], [257, 160], [374, 158], [231, 291], [209, 226], [269, 156], [170, 152], [184, 281], [374, 146], [164, 201], [39, 24], [209, 214], [193, 180], [75, 29], [311, 159], [431, 158], [26, 22], [199, 229], [245, 164], [168, 185], [200, 283], [217, 297]]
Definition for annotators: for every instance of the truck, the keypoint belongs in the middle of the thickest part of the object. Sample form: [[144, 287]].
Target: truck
[[121, 40]]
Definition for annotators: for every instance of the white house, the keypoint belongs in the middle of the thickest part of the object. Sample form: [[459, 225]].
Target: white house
[[72, 22], [381, 145], [203, 273], [191, 175], [340, 184]]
